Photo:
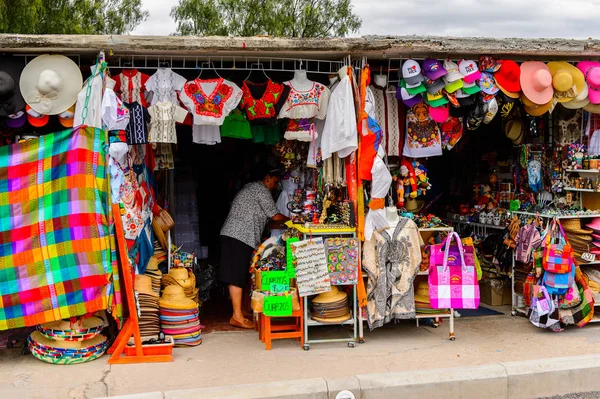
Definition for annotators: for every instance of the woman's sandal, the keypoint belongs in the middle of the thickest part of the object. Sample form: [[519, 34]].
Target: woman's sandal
[[245, 324]]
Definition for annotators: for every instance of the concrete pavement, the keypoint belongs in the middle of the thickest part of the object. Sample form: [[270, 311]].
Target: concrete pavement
[[231, 359]]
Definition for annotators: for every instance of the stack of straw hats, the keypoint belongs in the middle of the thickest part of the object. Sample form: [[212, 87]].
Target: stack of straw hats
[[579, 238], [331, 307], [62, 342], [184, 278], [148, 301], [422, 302], [154, 273], [179, 317]]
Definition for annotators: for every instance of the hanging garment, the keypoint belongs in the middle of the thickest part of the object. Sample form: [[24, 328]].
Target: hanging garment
[[94, 102], [55, 251], [262, 102], [423, 138], [390, 116], [137, 129], [115, 115], [210, 100], [164, 85], [301, 108], [340, 134], [131, 86], [391, 264], [163, 117]]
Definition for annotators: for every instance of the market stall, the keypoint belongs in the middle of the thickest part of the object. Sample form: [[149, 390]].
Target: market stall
[[415, 188]]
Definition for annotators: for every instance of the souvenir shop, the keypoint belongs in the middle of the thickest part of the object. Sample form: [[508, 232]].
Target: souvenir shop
[[405, 187]]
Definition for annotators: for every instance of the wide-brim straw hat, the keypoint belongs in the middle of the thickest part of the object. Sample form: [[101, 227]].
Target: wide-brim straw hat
[[143, 285], [153, 263], [564, 77], [174, 297], [413, 205], [64, 330], [422, 292], [165, 220], [50, 84], [574, 226], [42, 340], [334, 295]]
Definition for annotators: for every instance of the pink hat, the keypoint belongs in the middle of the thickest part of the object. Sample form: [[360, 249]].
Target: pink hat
[[439, 114], [536, 82], [469, 70], [594, 225], [596, 243], [595, 251], [596, 236], [591, 71]]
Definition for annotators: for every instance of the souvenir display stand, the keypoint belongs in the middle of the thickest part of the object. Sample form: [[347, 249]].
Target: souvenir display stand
[[319, 231]]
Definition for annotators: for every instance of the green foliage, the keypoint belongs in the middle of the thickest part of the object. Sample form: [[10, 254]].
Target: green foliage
[[70, 16], [281, 18]]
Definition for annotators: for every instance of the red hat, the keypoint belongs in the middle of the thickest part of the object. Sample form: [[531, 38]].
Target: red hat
[[34, 118], [508, 77]]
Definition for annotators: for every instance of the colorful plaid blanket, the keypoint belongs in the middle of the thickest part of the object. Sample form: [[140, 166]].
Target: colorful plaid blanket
[[55, 255]]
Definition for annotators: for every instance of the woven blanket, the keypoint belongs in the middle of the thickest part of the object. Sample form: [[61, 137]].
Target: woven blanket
[[55, 257]]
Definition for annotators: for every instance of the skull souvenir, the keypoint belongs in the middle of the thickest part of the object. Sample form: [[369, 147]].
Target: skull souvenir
[[483, 217], [497, 219]]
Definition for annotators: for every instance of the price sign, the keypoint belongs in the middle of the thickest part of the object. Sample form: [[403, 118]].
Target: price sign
[[278, 306]]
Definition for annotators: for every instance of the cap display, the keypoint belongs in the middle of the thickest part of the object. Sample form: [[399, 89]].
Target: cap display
[[411, 72], [469, 70], [433, 69]]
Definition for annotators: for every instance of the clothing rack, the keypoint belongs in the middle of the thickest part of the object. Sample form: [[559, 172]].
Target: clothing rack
[[231, 63]]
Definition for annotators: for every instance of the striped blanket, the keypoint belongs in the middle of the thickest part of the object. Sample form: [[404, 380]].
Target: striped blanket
[[55, 255]]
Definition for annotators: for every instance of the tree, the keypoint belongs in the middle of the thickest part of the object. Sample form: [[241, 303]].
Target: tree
[[71, 16], [283, 18]]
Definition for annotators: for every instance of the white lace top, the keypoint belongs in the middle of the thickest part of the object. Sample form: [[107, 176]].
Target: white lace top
[[306, 104]]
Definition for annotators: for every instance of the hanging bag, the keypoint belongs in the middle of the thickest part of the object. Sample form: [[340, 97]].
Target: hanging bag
[[558, 257], [558, 283], [453, 284]]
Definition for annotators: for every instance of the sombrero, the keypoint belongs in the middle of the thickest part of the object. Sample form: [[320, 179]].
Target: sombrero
[[579, 238], [333, 320], [143, 285], [173, 297], [334, 295], [64, 330], [66, 352], [414, 206], [574, 226]]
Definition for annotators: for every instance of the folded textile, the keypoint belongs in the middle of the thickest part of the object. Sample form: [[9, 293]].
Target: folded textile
[[55, 253]]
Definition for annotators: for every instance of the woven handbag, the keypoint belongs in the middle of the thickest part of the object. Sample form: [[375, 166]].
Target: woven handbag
[[558, 257]]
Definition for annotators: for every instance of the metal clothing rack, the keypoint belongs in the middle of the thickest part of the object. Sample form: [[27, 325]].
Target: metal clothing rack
[[232, 63], [308, 322]]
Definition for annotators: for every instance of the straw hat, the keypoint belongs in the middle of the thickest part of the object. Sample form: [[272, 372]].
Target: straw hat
[[422, 293], [182, 275], [515, 131], [64, 330], [565, 77], [50, 84], [64, 352], [143, 285], [333, 320], [40, 339], [574, 226], [159, 233], [413, 205], [536, 82], [334, 295], [534, 109], [174, 297], [579, 238]]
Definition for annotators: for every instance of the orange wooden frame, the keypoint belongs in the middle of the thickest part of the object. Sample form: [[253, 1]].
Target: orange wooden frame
[[131, 326]]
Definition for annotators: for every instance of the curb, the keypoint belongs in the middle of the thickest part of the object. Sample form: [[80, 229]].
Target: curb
[[512, 380]]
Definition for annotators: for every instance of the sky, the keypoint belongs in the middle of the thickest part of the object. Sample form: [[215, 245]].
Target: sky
[[488, 18]]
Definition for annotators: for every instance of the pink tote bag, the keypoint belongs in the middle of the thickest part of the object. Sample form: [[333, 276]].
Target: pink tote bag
[[453, 284]]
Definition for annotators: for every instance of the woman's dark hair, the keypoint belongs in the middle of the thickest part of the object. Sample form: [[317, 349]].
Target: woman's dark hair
[[263, 170]]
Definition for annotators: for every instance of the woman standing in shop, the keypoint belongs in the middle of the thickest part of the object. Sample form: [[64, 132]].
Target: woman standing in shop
[[250, 211]]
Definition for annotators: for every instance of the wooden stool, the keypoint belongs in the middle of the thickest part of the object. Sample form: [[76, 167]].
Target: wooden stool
[[268, 331]]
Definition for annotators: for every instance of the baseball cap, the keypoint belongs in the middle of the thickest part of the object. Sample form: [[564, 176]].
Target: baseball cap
[[16, 120], [433, 86], [439, 114], [36, 119], [464, 99], [470, 88], [487, 84], [420, 88], [475, 117], [506, 105], [433, 69], [411, 72], [66, 118], [436, 99], [452, 98], [453, 86], [488, 63], [453, 73], [491, 111], [469, 70], [408, 99]]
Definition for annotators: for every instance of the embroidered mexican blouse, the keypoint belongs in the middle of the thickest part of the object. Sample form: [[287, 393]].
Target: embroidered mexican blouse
[[137, 130], [131, 85], [164, 85], [163, 117], [302, 107], [262, 102], [211, 100]]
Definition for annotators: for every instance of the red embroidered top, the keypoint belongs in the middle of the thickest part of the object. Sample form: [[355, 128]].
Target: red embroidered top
[[263, 101], [211, 108], [131, 85]]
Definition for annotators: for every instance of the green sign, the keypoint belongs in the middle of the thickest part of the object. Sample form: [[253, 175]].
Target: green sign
[[290, 269], [278, 305], [276, 288], [278, 277]]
